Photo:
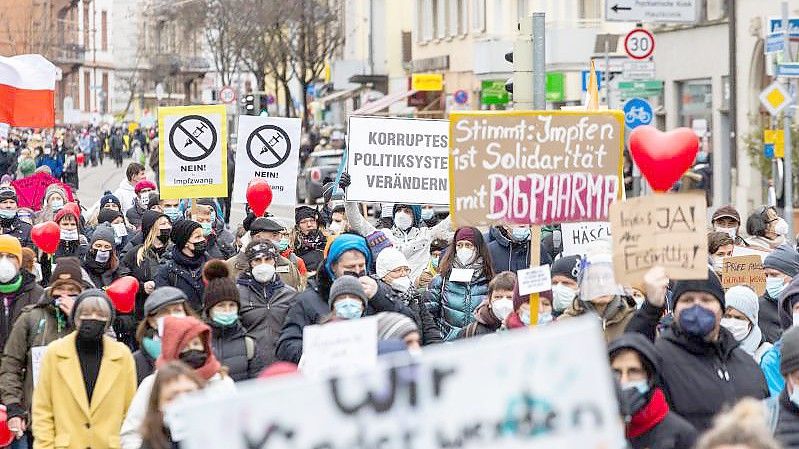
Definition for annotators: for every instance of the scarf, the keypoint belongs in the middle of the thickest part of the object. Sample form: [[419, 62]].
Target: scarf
[[210, 368], [751, 342], [648, 417], [193, 262], [513, 321], [484, 315], [13, 286], [476, 266]]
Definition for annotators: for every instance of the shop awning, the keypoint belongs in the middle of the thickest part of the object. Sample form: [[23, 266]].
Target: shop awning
[[382, 103], [339, 96]]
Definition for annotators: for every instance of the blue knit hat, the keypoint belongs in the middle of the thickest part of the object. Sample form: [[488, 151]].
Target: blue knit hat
[[110, 198], [342, 244]]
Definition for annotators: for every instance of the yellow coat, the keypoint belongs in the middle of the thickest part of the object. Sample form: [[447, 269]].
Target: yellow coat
[[62, 415]]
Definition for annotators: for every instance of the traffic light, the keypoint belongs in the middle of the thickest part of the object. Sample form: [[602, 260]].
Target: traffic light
[[249, 104], [521, 85], [261, 103]]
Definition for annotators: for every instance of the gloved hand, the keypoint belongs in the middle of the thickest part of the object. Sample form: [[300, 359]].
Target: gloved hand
[[345, 181]]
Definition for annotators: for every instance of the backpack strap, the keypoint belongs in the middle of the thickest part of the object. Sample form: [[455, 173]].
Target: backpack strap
[[249, 343]]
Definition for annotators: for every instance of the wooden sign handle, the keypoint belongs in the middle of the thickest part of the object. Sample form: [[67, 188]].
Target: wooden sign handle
[[535, 260]]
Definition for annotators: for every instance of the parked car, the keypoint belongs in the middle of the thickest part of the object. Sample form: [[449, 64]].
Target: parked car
[[320, 165]]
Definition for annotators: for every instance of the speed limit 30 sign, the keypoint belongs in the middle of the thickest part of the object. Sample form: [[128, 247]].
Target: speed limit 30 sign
[[639, 44]]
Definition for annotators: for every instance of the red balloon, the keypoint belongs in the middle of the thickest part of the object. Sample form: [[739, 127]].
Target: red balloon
[[80, 158], [663, 157], [259, 196], [123, 293], [46, 236], [6, 435]]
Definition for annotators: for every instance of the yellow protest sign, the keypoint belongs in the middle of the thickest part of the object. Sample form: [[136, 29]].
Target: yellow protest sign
[[192, 151], [777, 138], [427, 81]]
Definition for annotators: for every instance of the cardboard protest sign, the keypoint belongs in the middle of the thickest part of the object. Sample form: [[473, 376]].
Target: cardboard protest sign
[[192, 152], [744, 270], [534, 167], [660, 229], [268, 148], [337, 346], [576, 236], [437, 399], [398, 160]]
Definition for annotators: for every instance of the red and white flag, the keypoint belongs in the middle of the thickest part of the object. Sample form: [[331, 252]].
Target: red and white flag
[[27, 91]]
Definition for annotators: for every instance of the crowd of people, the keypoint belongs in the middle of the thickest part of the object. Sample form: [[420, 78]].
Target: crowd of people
[[218, 305]]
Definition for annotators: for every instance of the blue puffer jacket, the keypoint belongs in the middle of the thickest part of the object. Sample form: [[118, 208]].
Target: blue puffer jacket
[[452, 304]]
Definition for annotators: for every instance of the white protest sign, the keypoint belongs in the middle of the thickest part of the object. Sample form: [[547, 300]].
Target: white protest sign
[[268, 148], [398, 160], [435, 400], [742, 251], [37, 355], [192, 152], [340, 345], [534, 280], [577, 236]]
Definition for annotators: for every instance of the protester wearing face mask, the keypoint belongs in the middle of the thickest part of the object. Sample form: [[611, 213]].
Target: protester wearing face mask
[[216, 248], [347, 299], [233, 346], [564, 273], [510, 248], [141, 202], [101, 262], [225, 238], [698, 354], [73, 243], [309, 241], [788, 312], [10, 223], [740, 318], [266, 229], [495, 309], [86, 381], [174, 379], [461, 284], [172, 209], [766, 229], [186, 339], [338, 221], [18, 288], [781, 266], [649, 422], [163, 302], [437, 246], [521, 318], [348, 254], [264, 297], [114, 219], [406, 234], [787, 426], [726, 219], [36, 327], [392, 269], [55, 197], [183, 266], [142, 261], [719, 246], [428, 216]]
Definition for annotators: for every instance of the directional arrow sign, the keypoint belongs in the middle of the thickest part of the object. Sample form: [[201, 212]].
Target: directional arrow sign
[[788, 70], [674, 11]]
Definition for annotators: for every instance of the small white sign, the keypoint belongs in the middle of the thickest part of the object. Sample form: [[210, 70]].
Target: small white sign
[[37, 355], [461, 275], [679, 11], [577, 236], [534, 280], [340, 346], [639, 71]]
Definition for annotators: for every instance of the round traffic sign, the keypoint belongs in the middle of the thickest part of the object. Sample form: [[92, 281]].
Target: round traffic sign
[[268, 146], [461, 96], [639, 44], [637, 112], [227, 95], [192, 138]]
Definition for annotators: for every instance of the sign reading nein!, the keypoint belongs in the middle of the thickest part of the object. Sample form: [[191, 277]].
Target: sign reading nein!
[[534, 167]]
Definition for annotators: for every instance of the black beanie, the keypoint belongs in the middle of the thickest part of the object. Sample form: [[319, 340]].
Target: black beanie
[[303, 212], [711, 285], [181, 232], [568, 266], [148, 219]]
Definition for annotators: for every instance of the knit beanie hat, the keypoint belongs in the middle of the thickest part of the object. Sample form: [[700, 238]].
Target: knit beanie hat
[[64, 212], [11, 245], [568, 266], [377, 242], [52, 189], [93, 293], [108, 215], [343, 243], [67, 271], [220, 286], [347, 285], [109, 197], [389, 260], [393, 325], [518, 299], [148, 219], [144, 184], [303, 212], [784, 259], [467, 234], [744, 300], [162, 297], [711, 285], [181, 232], [789, 353], [153, 200], [8, 193], [104, 232]]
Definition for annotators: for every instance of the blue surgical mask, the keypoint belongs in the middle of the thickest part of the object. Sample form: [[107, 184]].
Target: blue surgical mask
[[697, 321], [348, 309], [641, 385], [427, 214], [206, 228], [8, 213], [434, 262], [282, 244], [520, 234], [151, 346], [775, 286], [794, 396], [525, 317], [172, 212], [544, 318], [57, 205], [225, 318]]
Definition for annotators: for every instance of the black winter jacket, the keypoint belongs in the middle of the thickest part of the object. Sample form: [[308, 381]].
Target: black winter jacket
[[428, 329], [145, 365], [144, 272], [787, 431], [263, 310], [674, 432], [230, 347], [507, 255], [768, 319], [184, 273], [19, 229]]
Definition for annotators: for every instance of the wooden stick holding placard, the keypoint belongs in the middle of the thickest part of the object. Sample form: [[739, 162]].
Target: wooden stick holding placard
[[535, 260]]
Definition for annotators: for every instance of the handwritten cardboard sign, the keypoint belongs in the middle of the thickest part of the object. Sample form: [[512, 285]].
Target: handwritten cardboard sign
[[534, 167], [577, 236], [744, 270], [660, 229]]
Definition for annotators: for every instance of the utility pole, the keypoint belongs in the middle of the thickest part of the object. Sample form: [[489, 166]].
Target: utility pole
[[787, 120], [539, 62]]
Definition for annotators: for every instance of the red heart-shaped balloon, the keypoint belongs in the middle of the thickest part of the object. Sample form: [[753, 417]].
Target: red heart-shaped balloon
[[6, 435], [663, 157], [259, 196], [123, 293], [46, 236]]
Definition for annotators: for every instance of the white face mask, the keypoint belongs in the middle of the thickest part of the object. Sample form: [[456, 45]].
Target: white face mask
[[120, 230], [401, 284], [729, 231], [562, 297], [144, 199], [796, 319], [102, 256], [718, 263], [69, 235], [7, 270], [738, 328], [464, 255], [403, 220], [781, 227], [263, 273], [502, 308]]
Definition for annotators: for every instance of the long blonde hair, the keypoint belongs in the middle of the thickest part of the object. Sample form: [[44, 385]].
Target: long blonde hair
[[149, 240]]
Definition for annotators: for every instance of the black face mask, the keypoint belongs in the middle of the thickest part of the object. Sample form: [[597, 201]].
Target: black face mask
[[200, 248], [195, 358], [163, 235], [91, 330], [632, 401]]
